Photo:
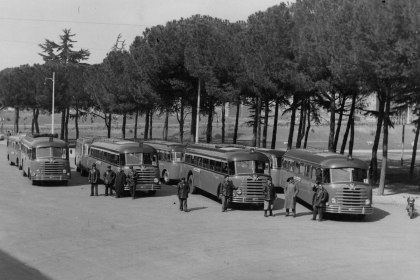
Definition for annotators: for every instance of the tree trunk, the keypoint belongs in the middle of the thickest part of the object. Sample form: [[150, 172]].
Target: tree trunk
[[165, 126], [193, 123], [292, 124], [66, 128], [413, 156], [351, 142], [332, 123], [349, 123], [259, 122], [146, 125], [301, 129], [36, 120], [136, 122], [209, 124], [16, 124], [265, 129], [254, 128], [109, 124], [385, 144], [181, 122], [340, 119], [124, 123], [308, 117], [76, 121], [275, 122], [374, 162], [235, 132], [223, 121], [63, 122], [151, 125]]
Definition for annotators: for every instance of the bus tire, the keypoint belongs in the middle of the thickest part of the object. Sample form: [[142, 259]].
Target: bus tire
[[34, 183], [166, 177], [23, 173], [20, 166], [193, 189]]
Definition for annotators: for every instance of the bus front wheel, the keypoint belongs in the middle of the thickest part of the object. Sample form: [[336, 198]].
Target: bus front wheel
[[166, 176], [193, 189]]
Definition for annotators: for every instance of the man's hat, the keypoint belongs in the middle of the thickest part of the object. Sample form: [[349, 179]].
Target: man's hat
[[290, 180], [94, 165]]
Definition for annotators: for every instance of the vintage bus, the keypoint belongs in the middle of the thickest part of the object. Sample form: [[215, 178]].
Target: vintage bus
[[13, 150], [344, 178], [45, 158], [123, 153], [170, 159], [82, 154], [275, 157], [206, 165]]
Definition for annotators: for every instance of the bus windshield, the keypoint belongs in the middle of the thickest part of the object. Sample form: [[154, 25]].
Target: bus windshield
[[177, 156], [140, 158], [348, 175], [250, 166], [46, 152]]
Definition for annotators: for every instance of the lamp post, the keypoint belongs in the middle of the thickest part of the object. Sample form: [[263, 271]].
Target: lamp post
[[52, 110]]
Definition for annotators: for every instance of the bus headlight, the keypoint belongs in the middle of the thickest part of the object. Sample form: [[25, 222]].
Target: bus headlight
[[156, 180], [64, 171], [367, 201], [239, 191], [333, 200]]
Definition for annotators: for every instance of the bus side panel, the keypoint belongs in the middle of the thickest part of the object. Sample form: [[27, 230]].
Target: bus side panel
[[209, 181], [275, 176]]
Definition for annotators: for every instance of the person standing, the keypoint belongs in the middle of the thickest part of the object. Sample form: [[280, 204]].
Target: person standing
[[183, 190], [290, 193], [109, 179], [93, 178], [319, 200], [131, 180], [120, 182], [226, 191], [269, 196]]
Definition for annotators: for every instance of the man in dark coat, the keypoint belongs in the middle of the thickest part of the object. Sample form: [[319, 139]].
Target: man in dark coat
[[319, 200], [93, 178], [131, 180], [226, 191], [269, 196], [120, 182], [109, 179], [183, 190]]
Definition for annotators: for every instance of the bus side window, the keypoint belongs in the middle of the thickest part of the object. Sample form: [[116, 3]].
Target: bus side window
[[326, 176], [308, 170], [206, 163], [291, 165], [199, 161], [231, 168], [218, 166], [316, 174], [122, 159], [212, 165], [302, 168], [224, 168], [296, 167]]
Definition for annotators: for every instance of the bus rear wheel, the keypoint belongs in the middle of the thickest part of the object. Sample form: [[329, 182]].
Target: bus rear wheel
[[166, 177], [193, 189]]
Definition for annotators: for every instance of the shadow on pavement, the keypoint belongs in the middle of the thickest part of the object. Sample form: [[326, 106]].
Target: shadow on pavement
[[196, 208], [11, 268]]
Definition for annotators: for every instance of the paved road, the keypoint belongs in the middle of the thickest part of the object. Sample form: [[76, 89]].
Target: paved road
[[60, 232]]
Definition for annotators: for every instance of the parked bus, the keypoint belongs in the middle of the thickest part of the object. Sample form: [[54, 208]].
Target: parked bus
[[45, 158], [170, 159], [82, 154], [275, 157], [344, 178], [13, 150], [123, 153], [206, 165]]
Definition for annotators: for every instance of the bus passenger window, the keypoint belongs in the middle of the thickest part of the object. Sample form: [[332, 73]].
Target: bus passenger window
[[316, 174], [296, 168], [218, 166], [212, 165], [231, 168], [326, 176], [224, 168], [308, 170]]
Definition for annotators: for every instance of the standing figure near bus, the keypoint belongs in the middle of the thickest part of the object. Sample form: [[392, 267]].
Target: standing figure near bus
[[269, 197], [290, 193], [131, 180], [93, 179], [226, 191], [120, 182], [319, 200], [109, 179], [183, 190]]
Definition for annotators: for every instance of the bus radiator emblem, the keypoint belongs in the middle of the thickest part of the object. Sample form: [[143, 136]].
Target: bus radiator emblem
[[352, 186], [142, 168], [255, 177]]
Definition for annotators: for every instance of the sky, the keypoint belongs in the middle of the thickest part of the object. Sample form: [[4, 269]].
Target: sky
[[24, 24]]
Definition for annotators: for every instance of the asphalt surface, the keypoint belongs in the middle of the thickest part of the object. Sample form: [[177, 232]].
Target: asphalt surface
[[60, 232]]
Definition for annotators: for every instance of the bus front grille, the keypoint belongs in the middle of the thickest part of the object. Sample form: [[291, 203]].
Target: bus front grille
[[252, 191], [352, 197], [51, 168], [145, 176]]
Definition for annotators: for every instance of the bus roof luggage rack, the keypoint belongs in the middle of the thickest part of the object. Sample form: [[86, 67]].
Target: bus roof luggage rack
[[37, 135]]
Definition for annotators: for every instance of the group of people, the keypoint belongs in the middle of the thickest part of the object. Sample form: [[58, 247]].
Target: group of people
[[113, 181], [291, 191], [117, 181]]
